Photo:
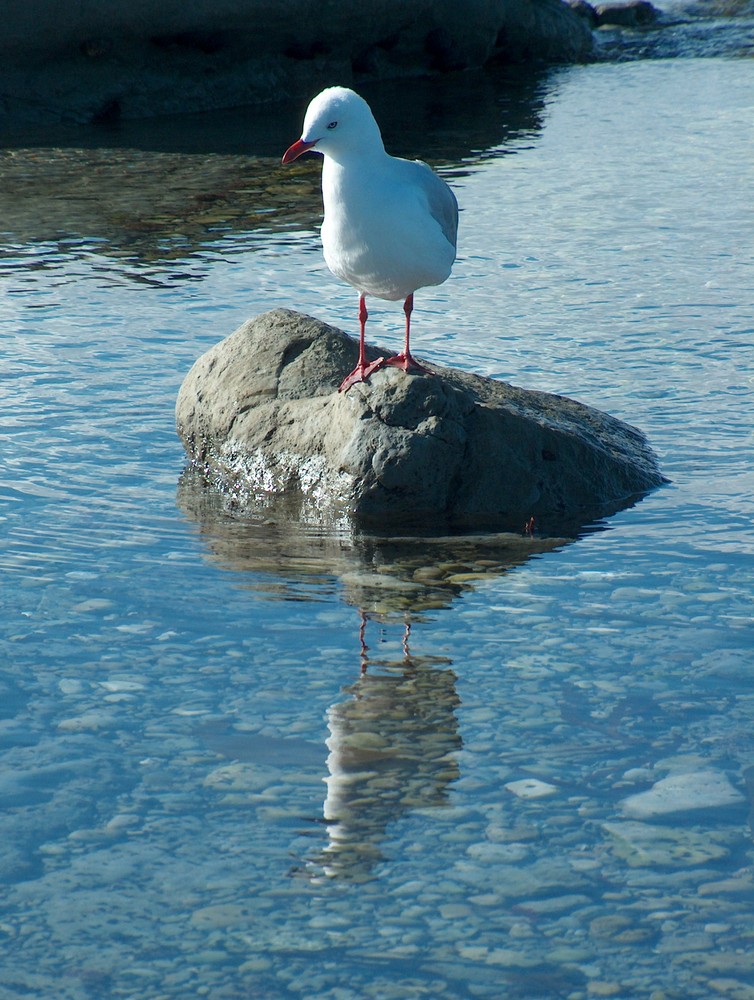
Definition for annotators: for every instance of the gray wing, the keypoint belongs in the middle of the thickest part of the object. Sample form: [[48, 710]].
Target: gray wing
[[442, 202]]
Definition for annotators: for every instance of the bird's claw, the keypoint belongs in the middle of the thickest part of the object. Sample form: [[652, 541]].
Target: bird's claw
[[408, 363], [360, 374]]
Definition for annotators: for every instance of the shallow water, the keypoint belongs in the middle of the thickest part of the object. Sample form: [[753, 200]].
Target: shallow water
[[255, 760]]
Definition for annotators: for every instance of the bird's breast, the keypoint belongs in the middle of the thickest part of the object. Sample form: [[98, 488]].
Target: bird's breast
[[379, 235]]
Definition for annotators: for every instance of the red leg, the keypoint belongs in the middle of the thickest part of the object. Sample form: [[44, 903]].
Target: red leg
[[363, 370], [405, 360]]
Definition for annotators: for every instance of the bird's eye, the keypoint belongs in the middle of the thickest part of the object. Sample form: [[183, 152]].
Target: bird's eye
[[332, 125]]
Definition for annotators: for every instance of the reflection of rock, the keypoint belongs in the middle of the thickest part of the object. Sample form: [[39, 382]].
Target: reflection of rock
[[149, 192], [391, 749], [382, 575], [416, 573], [152, 205], [261, 412]]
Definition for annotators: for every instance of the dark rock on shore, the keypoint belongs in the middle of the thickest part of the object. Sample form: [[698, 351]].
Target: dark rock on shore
[[629, 14], [260, 412], [102, 60], [585, 11], [632, 14]]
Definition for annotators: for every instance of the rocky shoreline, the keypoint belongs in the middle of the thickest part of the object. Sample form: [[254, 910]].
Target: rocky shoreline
[[103, 60]]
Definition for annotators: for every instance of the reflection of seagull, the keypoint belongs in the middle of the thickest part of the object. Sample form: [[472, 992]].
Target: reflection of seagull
[[364, 649], [390, 224], [392, 746]]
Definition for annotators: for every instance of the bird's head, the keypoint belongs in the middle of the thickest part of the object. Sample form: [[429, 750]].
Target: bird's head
[[337, 122]]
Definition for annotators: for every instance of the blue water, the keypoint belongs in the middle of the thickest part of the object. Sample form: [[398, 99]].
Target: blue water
[[205, 793]]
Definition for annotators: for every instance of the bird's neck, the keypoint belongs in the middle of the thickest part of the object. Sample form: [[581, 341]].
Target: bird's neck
[[346, 179], [357, 157]]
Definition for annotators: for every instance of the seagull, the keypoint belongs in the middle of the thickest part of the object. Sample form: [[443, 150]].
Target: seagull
[[390, 224]]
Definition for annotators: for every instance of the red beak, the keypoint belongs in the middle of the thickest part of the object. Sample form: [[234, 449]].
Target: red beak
[[293, 152]]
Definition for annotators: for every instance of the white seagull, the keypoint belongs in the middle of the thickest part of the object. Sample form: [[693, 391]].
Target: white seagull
[[390, 224]]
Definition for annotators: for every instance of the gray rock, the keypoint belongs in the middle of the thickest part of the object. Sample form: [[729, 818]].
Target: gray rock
[[260, 412]]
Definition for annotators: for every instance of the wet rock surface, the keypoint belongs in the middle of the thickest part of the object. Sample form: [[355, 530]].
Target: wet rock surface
[[261, 413]]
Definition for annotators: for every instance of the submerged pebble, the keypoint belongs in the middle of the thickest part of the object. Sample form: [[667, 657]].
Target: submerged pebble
[[694, 790], [531, 788]]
